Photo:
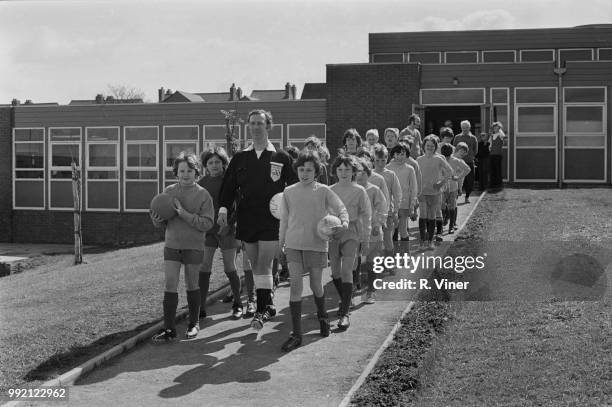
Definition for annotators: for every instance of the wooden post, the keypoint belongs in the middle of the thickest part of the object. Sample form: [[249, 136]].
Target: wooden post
[[76, 197]]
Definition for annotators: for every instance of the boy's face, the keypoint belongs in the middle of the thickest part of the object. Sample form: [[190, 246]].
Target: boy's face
[[372, 138], [460, 153], [185, 174], [306, 173], [351, 144], [430, 147], [400, 156], [344, 173], [214, 166], [390, 138], [380, 162]]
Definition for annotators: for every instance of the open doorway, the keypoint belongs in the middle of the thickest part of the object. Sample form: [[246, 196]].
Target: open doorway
[[435, 116]]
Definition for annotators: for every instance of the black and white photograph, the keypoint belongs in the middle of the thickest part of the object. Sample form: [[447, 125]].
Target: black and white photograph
[[321, 203]]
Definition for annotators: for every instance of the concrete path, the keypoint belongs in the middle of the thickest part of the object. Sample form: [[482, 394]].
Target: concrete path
[[229, 364]]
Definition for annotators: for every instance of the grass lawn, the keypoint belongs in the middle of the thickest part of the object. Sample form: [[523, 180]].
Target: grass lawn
[[56, 315]]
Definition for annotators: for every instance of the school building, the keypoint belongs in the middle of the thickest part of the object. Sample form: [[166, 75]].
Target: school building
[[549, 87]]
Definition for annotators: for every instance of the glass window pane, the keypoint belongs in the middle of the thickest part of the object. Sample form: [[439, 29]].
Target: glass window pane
[[541, 95], [218, 132], [461, 57], [103, 195], [29, 194], [584, 119], [29, 155], [450, 96], [181, 133], [60, 195], [387, 58], [138, 195], [141, 155], [585, 94], [605, 54], [141, 133], [537, 55], [306, 130], [575, 55], [62, 155], [102, 175], [29, 135], [174, 149], [61, 174], [585, 141], [29, 174], [500, 114], [424, 57], [102, 155], [498, 56], [141, 175], [536, 119], [500, 96], [103, 134], [69, 134], [536, 141]]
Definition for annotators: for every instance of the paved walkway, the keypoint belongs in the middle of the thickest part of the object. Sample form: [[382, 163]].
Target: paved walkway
[[229, 364]]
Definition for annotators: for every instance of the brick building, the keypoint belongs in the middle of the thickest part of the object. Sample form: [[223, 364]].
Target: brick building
[[549, 87]]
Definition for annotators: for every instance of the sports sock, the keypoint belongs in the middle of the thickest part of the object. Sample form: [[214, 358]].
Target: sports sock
[[249, 281], [431, 228], [445, 216], [347, 293], [204, 283], [371, 276], [170, 303], [234, 281], [296, 316], [423, 229], [439, 224], [193, 302], [338, 285], [264, 298], [320, 303]]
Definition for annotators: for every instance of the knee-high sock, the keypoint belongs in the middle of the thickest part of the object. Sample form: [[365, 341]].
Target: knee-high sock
[[204, 283], [264, 298], [423, 229], [371, 276], [249, 281], [431, 228], [338, 285], [193, 302], [320, 303], [347, 293], [296, 316], [439, 226], [234, 281], [445, 215], [170, 303]]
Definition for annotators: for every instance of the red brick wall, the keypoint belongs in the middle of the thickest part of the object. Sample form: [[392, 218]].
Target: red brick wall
[[6, 182], [97, 228], [367, 96]]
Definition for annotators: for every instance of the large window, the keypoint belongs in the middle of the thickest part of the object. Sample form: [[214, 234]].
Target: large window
[[65, 148], [565, 55], [178, 139], [214, 135], [29, 168], [102, 147], [275, 136], [297, 133], [140, 167]]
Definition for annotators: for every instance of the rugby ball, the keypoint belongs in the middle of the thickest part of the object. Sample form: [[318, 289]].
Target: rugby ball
[[325, 227], [275, 205], [163, 205]]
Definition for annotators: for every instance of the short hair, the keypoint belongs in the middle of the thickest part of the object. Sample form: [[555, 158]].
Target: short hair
[[365, 165], [393, 130], [217, 151], [431, 138], [314, 140], [462, 146], [412, 118], [351, 133], [466, 122], [265, 113], [293, 151], [380, 151], [363, 153], [348, 161], [498, 124], [447, 149], [447, 132], [192, 162], [306, 156], [374, 132], [399, 148]]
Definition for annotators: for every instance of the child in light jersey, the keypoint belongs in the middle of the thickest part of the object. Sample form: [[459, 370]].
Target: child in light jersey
[[381, 156], [460, 169], [408, 183]]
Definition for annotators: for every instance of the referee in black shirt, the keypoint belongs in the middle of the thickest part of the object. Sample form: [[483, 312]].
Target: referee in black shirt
[[256, 174]]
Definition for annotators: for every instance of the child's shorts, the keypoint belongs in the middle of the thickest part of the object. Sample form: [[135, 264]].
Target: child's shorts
[[346, 248], [307, 258], [222, 242], [450, 199], [184, 256]]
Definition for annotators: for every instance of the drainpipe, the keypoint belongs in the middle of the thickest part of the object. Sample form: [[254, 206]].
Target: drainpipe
[[559, 72]]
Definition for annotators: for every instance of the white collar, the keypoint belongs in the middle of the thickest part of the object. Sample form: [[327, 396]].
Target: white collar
[[269, 147]]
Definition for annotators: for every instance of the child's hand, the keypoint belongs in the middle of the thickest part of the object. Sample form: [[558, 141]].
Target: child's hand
[[222, 219], [177, 206], [155, 217]]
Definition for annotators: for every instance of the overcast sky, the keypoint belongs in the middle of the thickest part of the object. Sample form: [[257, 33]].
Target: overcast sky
[[55, 51]]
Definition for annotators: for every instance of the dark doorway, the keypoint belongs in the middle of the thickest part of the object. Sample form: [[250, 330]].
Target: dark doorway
[[435, 116]]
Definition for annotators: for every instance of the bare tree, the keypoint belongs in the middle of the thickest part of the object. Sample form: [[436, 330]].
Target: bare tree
[[125, 92]]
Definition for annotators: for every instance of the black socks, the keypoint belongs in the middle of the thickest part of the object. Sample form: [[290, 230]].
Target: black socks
[[170, 303]]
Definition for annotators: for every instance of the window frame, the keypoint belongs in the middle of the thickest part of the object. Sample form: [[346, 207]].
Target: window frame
[[301, 140], [117, 168], [127, 168], [388, 62], [461, 52], [216, 142], [482, 102], [52, 168], [606, 49], [508, 125], [574, 49], [498, 51], [552, 50], [43, 169], [184, 141], [439, 53]]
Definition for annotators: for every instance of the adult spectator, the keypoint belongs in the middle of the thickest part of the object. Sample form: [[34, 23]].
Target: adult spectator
[[413, 135], [468, 138]]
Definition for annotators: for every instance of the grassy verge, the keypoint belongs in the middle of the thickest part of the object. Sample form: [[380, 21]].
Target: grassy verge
[[56, 315]]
